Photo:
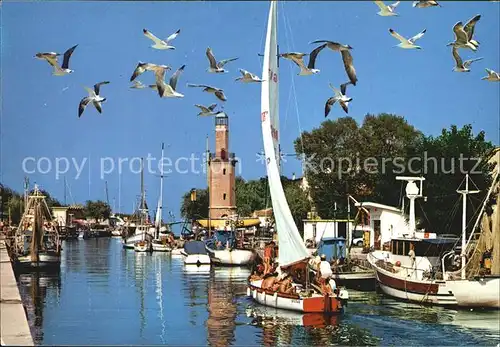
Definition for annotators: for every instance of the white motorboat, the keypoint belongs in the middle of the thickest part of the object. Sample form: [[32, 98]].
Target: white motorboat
[[195, 253], [142, 246], [159, 246], [235, 257]]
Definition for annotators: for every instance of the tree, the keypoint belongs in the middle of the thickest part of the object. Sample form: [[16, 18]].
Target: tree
[[195, 209], [445, 161], [343, 158], [97, 210]]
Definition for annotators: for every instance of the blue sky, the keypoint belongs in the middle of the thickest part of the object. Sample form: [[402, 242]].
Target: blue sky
[[39, 111]]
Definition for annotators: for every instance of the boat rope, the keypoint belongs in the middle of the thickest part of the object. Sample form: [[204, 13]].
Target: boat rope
[[288, 28]]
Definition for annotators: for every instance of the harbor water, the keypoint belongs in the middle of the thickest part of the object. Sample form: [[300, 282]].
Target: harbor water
[[107, 295]]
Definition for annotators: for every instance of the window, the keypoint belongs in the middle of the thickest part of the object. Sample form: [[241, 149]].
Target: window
[[224, 196], [223, 171]]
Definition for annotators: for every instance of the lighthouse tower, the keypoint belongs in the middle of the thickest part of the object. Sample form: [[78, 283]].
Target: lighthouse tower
[[222, 172]]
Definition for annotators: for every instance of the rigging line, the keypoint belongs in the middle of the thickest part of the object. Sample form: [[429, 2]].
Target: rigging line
[[289, 27]]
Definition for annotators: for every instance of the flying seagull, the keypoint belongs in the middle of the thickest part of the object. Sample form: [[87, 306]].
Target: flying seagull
[[346, 57], [425, 4], [492, 76], [51, 58], [387, 10], [219, 93], [469, 29], [168, 90], [297, 58], [161, 44], [206, 111], [142, 67], [408, 43], [216, 67], [340, 97], [248, 77], [138, 85], [93, 97], [461, 38], [461, 66]]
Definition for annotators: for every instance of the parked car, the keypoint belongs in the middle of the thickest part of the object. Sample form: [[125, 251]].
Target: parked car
[[357, 237]]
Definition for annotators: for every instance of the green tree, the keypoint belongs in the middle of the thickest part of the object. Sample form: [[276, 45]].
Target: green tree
[[197, 209], [97, 209], [445, 159]]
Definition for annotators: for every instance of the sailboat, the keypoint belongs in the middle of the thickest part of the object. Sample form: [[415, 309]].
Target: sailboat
[[159, 242], [441, 273], [36, 244], [144, 244], [293, 255]]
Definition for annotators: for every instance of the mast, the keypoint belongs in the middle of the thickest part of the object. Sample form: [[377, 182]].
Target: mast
[[142, 198], [160, 200], [65, 191], [107, 195], [464, 222], [412, 192], [207, 151], [291, 246], [348, 230]]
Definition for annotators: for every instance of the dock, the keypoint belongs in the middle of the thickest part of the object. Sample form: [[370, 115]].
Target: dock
[[14, 327]]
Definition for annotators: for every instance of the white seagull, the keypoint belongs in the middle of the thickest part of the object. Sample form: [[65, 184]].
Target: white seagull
[[340, 97], [216, 67], [297, 58], [51, 58], [248, 77], [346, 57], [168, 90], [408, 43], [461, 38], [469, 29], [425, 4], [161, 44], [219, 93], [94, 97], [143, 67], [461, 66], [492, 76], [206, 111], [387, 10], [138, 85]]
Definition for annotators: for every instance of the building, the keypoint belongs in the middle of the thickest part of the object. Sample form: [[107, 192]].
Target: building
[[63, 215], [221, 175], [382, 222]]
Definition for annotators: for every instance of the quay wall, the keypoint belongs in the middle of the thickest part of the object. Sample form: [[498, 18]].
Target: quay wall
[[14, 328]]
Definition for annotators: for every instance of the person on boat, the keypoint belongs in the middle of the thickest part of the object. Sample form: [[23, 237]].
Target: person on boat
[[286, 285], [325, 271], [268, 257], [411, 254], [269, 281]]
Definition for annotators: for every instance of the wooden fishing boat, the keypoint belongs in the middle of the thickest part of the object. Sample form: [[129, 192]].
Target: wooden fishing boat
[[36, 243]]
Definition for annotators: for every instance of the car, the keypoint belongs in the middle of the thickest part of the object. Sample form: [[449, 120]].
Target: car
[[357, 237]]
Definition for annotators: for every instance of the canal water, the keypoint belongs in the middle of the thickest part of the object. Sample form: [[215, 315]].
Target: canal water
[[107, 295]]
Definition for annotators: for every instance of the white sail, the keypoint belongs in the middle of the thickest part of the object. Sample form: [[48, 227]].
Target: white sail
[[291, 247]]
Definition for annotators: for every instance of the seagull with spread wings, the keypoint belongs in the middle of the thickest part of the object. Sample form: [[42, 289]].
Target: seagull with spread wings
[[206, 111], [93, 97], [297, 58], [248, 77], [387, 10], [407, 43], [461, 66], [215, 66], [462, 39], [51, 58], [158, 43], [219, 93], [167, 90], [340, 96]]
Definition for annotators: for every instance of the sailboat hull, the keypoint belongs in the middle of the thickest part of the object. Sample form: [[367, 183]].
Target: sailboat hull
[[314, 304], [235, 257]]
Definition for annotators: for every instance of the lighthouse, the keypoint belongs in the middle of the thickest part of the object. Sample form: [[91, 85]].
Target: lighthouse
[[221, 175]]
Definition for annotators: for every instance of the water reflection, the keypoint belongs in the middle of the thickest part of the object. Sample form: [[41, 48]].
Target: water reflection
[[112, 296], [225, 285], [33, 290]]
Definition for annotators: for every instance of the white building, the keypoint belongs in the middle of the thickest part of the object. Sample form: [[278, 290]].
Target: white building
[[383, 223]]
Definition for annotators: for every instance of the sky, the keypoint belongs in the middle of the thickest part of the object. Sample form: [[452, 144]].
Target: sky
[[39, 112]]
